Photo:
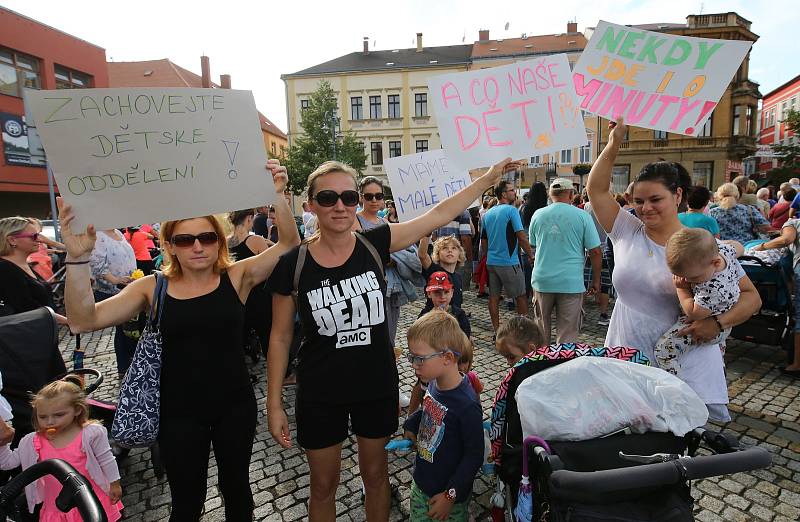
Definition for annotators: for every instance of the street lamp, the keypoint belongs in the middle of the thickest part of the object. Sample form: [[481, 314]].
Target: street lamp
[[332, 122]]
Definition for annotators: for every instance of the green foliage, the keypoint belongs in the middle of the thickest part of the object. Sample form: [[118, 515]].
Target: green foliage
[[790, 154], [316, 145], [581, 169]]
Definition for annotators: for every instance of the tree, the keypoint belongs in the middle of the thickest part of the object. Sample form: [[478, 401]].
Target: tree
[[316, 145]]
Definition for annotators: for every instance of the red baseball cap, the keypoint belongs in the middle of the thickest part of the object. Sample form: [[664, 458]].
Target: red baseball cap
[[439, 281]]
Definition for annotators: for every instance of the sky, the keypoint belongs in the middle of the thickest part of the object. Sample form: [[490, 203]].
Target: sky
[[257, 41]]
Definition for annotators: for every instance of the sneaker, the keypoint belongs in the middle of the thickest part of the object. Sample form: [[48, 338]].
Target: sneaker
[[603, 320]]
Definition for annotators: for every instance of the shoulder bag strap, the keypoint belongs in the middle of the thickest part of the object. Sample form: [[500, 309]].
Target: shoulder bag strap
[[372, 250], [158, 299]]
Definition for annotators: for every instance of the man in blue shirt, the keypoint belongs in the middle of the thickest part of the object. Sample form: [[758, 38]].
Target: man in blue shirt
[[562, 234], [501, 238]]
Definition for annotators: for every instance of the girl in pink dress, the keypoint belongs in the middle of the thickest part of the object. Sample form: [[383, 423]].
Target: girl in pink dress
[[63, 431]]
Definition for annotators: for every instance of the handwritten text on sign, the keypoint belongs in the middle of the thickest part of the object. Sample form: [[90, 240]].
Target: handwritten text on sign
[[420, 181], [129, 156], [655, 80], [515, 110]]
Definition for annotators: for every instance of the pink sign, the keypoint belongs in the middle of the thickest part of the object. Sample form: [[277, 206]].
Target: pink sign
[[517, 110]]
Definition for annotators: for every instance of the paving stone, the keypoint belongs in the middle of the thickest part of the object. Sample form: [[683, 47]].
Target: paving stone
[[763, 402]]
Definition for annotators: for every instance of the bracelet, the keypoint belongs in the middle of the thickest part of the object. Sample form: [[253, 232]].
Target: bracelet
[[719, 325], [76, 262]]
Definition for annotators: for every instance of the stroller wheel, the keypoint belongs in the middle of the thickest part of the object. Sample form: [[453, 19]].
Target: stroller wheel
[[155, 459]]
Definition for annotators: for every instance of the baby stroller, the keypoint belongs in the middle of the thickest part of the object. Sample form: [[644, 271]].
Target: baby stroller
[[30, 358], [619, 476], [774, 323], [76, 492]]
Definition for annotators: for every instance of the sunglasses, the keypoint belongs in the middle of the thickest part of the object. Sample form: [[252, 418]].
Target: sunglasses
[[187, 240], [34, 236], [368, 196], [421, 359], [328, 198]]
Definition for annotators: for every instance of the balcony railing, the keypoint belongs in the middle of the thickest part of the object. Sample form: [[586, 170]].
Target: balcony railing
[[679, 143]]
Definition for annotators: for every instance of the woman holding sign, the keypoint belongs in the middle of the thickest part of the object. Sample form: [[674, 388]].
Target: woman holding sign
[[347, 373], [647, 304], [206, 395]]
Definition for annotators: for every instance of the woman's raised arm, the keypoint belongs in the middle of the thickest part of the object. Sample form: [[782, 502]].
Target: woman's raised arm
[[598, 186]]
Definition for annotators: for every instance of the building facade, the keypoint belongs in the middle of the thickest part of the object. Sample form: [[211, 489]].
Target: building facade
[[382, 97], [772, 129], [35, 56], [716, 155]]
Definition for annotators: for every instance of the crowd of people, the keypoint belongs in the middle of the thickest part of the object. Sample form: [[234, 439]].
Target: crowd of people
[[322, 298]]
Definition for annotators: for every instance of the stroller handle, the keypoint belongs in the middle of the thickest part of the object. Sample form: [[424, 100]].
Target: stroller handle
[[572, 483], [76, 490]]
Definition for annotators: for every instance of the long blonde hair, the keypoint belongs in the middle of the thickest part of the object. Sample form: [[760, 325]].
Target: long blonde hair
[[10, 226], [728, 195], [171, 266]]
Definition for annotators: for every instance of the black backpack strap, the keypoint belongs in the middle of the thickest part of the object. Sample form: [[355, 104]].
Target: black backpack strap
[[372, 250], [298, 268]]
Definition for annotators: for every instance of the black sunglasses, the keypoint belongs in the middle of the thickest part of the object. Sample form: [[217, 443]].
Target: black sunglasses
[[368, 196], [187, 240], [328, 198]]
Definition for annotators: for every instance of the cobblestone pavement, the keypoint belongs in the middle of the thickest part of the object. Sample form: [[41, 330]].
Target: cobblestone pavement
[[764, 404]]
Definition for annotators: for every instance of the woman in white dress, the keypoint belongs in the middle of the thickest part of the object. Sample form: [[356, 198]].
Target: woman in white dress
[[647, 304]]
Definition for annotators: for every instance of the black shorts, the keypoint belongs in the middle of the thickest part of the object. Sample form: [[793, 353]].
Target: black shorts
[[321, 425]]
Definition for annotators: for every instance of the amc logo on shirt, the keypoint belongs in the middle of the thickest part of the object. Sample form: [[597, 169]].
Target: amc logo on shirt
[[348, 308]]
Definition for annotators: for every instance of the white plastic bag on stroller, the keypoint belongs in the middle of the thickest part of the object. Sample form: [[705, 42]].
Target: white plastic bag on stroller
[[591, 397]]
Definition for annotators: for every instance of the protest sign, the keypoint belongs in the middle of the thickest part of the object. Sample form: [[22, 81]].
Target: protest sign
[[420, 181], [655, 80], [125, 157], [517, 110]]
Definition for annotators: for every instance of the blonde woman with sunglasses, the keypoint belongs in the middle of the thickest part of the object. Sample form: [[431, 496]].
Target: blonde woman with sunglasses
[[347, 374], [206, 396]]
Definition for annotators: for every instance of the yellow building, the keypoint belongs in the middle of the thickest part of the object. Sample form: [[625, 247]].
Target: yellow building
[[729, 136], [382, 97]]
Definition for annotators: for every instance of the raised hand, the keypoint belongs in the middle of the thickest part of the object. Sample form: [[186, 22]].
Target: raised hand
[[77, 245], [279, 175], [618, 130]]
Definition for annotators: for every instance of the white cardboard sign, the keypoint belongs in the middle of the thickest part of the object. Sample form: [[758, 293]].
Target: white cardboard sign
[[655, 80], [124, 157], [517, 110], [420, 181]]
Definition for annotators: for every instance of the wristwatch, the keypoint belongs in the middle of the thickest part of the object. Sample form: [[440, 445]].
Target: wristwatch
[[450, 494]]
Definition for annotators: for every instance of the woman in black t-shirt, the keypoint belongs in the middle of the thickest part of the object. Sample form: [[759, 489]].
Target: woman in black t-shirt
[[21, 289], [206, 396], [346, 371]]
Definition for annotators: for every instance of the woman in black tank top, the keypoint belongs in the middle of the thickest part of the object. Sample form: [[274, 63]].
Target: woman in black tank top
[[206, 396], [243, 245]]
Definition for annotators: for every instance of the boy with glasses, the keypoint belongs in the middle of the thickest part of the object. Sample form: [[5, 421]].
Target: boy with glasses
[[448, 429]]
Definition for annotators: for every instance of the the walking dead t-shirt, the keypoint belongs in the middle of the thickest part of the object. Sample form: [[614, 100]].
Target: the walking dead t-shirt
[[345, 355]]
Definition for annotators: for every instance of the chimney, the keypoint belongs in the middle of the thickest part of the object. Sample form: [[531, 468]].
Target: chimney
[[205, 67], [483, 35], [419, 42], [366, 45], [225, 81], [572, 27]]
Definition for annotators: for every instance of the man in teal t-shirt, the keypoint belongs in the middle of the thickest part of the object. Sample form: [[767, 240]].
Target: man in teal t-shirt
[[562, 234], [697, 200]]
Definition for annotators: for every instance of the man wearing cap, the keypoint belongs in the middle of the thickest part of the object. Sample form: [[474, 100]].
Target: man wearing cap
[[562, 234], [501, 237]]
